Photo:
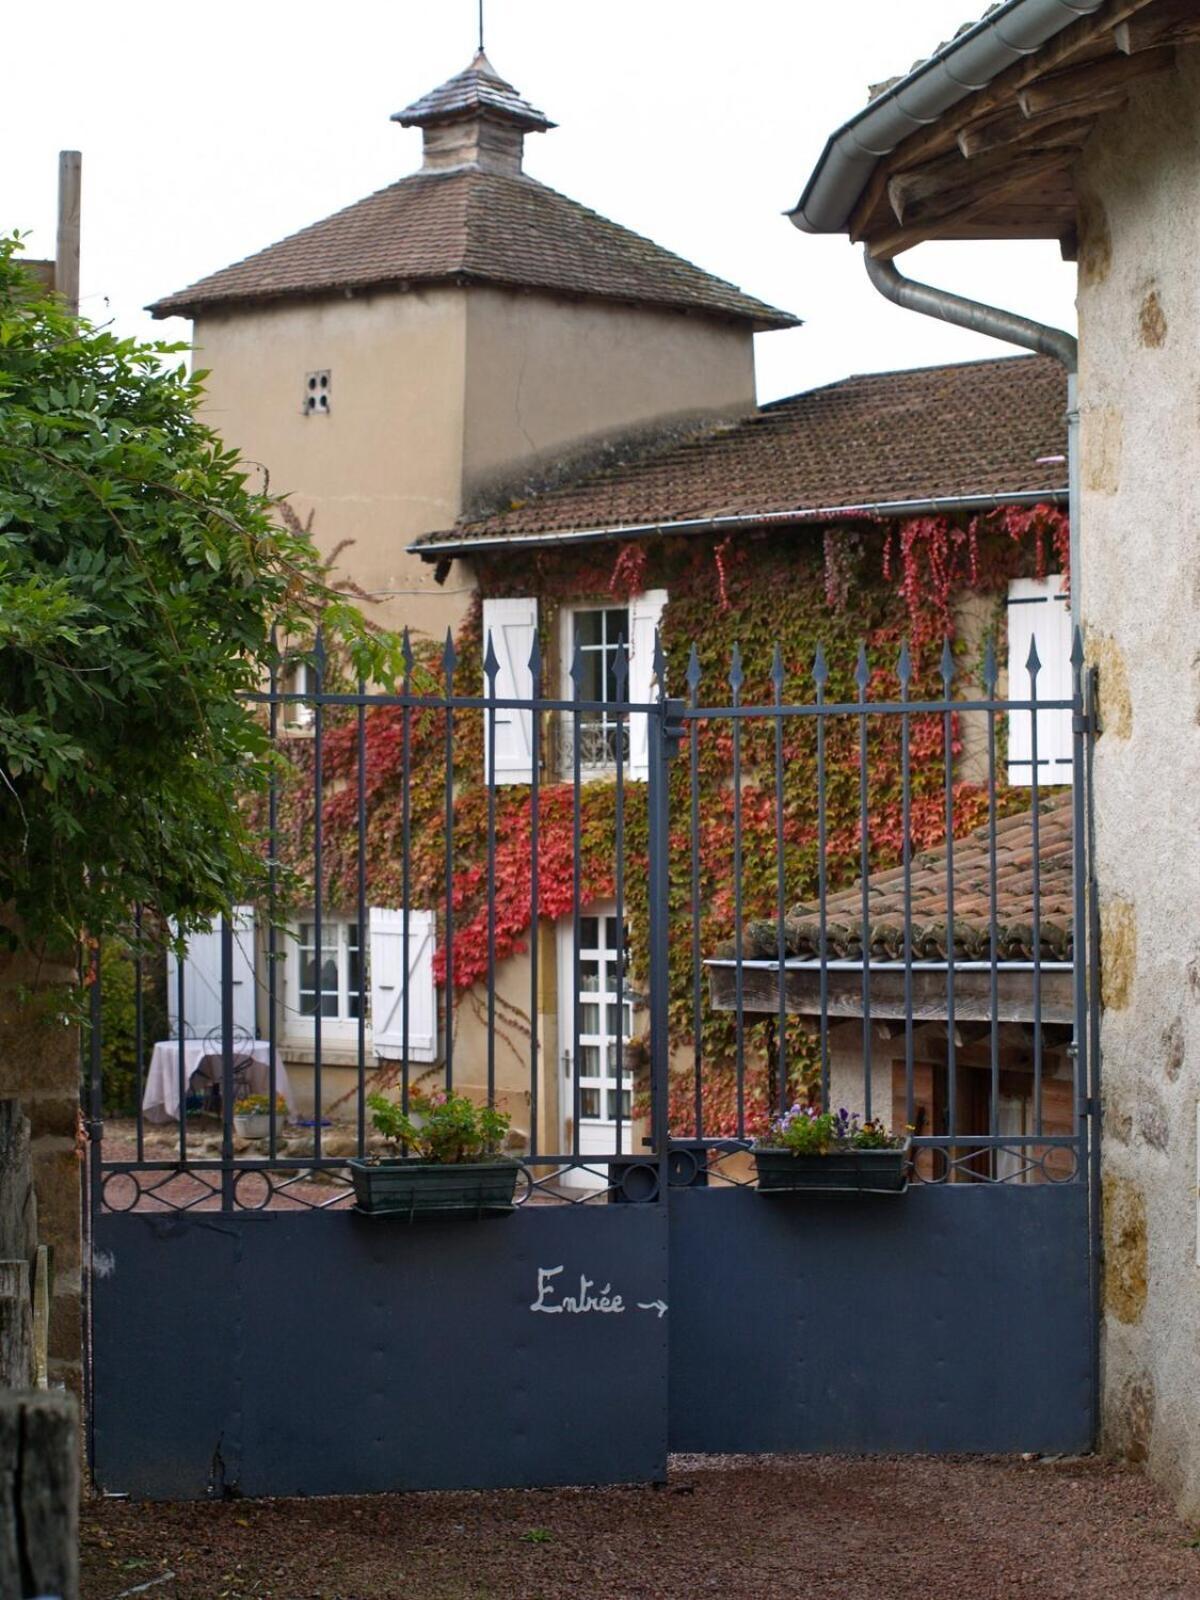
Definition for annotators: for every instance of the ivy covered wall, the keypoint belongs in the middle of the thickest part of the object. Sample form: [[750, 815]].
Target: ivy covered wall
[[877, 583]]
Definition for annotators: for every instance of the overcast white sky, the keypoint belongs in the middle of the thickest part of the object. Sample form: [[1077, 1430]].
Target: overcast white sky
[[209, 130]]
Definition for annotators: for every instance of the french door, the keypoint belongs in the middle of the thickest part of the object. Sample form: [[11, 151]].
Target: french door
[[606, 1020]]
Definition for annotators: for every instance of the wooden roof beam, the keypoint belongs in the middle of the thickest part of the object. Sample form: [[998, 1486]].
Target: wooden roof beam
[[996, 96], [942, 189], [1077, 87], [980, 138], [1169, 22]]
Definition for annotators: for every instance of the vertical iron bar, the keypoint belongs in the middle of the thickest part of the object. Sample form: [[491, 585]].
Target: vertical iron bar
[[96, 1085], [450, 661], [491, 665], [735, 684], [993, 911], [180, 975], [905, 675], [272, 902], [535, 754], [820, 678], [576, 885], [693, 681], [1035, 822], [139, 1031], [361, 732], [227, 1063], [1095, 1061], [406, 865], [780, 883], [948, 759], [659, 823], [318, 875], [1079, 735], [622, 687], [862, 679]]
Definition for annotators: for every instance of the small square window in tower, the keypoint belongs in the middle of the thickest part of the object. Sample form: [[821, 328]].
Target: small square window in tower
[[316, 394]]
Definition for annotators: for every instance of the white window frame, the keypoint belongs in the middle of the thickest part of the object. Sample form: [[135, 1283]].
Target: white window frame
[[569, 616], [597, 1135], [298, 1025], [1040, 608]]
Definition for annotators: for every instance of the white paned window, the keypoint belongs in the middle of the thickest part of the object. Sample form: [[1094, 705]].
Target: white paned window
[[512, 626], [598, 631], [329, 975], [403, 991], [596, 635], [202, 980], [1039, 609]]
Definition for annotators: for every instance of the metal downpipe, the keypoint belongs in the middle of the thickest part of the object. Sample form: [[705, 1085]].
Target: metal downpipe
[[1014, 329]]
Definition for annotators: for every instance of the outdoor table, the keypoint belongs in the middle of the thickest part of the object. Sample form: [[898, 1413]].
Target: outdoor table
[[160, 1103]]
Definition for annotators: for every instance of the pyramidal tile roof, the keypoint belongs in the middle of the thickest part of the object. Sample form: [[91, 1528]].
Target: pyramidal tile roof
[[478, 90], [472, 226], [472, 221]]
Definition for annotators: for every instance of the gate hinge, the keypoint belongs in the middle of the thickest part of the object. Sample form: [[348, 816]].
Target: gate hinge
[[1083, 722], [94, 1128], [1092, 1106]]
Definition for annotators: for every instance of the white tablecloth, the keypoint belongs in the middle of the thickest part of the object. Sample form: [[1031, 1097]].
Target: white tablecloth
[[160, 1103]]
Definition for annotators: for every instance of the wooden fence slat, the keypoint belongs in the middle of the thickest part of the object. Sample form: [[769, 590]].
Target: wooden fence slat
[[16, 1326]]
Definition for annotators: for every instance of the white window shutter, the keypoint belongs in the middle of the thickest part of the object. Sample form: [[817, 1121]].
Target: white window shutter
[[645, 615], [1039, 608], [202, 979], [512, 624], [389, 974]]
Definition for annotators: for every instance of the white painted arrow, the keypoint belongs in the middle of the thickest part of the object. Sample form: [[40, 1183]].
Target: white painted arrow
[[653, 1305]]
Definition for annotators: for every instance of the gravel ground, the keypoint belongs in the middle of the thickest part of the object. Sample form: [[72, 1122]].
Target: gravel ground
[[742, 1527]]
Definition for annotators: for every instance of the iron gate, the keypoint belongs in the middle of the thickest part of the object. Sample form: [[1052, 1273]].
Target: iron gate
[[251, 1333]]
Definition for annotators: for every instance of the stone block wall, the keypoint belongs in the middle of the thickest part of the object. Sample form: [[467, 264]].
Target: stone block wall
[[1139, 315]]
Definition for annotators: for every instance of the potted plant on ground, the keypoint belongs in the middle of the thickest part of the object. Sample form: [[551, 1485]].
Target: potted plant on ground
[[810, 1149], [252, 1115], [445, 1161]]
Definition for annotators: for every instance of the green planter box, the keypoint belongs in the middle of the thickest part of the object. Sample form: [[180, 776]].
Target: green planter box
[[868, 1171], [405, 1187]]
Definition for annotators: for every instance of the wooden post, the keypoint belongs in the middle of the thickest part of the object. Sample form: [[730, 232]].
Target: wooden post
[[39, 1495], [66, 267], [18, 1248]]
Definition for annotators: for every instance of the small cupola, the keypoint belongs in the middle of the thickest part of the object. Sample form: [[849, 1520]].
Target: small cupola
[[474, 120]]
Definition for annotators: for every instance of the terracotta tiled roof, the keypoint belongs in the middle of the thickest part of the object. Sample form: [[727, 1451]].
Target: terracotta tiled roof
[[472, 226], [480, 89], [977, 429], [972, 901]]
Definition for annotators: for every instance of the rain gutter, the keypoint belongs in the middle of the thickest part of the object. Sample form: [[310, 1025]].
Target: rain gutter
[[440, 549], [960, 68]]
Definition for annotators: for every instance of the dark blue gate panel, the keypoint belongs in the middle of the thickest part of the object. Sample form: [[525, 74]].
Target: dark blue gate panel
[[333, 1354], [951, 1318]]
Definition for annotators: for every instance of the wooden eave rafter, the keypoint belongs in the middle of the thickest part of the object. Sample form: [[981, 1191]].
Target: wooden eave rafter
[[1169, 22], [998, 164]]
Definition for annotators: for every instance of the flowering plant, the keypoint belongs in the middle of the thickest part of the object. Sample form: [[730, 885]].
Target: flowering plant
[[453, 1128], [805, 1131], [254, 1104]]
